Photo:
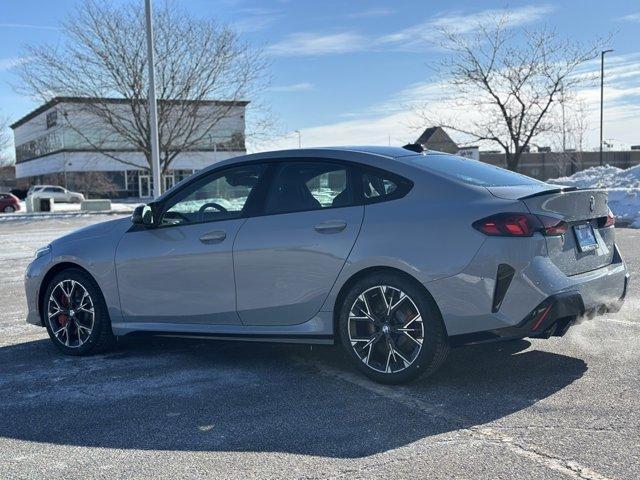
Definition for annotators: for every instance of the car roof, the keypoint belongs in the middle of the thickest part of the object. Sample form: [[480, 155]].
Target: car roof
[[381, 151]]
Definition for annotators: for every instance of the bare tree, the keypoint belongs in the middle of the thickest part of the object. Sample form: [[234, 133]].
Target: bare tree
[[5, 142], [567, 139], [505, 82], [104, 55], [94, 183]]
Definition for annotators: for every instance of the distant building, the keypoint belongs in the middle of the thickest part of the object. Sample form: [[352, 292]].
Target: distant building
[[547, 164], [435, 138], [49, 151], [542, 164]]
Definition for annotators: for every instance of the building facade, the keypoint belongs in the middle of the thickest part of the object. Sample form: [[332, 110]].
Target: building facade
[[63, 143]]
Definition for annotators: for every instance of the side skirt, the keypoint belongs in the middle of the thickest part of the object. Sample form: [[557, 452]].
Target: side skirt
[[296, 339]]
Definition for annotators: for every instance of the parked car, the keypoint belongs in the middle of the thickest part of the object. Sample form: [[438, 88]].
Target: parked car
[[9, 203], [396, 254], [59, 194]]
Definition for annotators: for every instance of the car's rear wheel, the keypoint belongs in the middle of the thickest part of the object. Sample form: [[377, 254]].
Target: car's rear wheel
[[75, 314], [391, 329], [9, 209]]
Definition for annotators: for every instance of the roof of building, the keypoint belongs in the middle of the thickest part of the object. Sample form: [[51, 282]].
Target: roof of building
[[435, 138], [56, 100]]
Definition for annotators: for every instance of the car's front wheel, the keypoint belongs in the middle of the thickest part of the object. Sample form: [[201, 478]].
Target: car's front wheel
[[391, 329], [75, 314], [9, 209]]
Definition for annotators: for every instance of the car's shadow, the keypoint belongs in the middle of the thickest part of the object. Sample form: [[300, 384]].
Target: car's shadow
[[161, 394]]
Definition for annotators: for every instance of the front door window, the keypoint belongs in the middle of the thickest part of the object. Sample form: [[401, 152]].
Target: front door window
[[220, 196]]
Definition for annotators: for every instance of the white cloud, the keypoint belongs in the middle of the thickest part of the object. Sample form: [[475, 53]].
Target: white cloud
[[9, 63], [296, 87], [314, 44], [461, 23], [632, 17], [26, 25], [255, 19], [415, 37], [372, 12]]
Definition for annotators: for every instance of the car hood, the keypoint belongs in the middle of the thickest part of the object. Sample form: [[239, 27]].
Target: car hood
[[111, 227]]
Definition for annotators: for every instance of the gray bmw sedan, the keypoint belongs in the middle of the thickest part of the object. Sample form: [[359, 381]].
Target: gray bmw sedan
[[395, 253]]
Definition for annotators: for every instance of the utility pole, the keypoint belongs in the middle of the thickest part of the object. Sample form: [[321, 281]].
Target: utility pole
[[299, 138], [602, 96], [153, 107]]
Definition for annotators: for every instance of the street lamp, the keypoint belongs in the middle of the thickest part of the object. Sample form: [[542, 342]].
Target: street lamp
[[602, 96], [153, 108], [299, 138]]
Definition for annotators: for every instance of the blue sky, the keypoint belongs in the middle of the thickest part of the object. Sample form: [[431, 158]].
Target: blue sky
[[345, 71]]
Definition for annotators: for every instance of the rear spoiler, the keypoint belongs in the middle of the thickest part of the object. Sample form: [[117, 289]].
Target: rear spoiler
[[555, 190]]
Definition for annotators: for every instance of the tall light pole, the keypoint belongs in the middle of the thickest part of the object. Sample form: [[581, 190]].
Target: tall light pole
[[153, 107], [602, 96], [299, 138]]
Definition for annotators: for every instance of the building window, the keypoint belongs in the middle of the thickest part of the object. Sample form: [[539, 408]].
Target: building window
[[52, 119], [43, 145]]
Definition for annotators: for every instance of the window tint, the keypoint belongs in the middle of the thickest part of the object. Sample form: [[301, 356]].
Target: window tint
[[472, 172], [301, 186], [375, 185], [379, 185], [218, 197]]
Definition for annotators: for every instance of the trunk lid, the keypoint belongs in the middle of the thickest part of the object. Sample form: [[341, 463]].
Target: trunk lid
[[576, 207]]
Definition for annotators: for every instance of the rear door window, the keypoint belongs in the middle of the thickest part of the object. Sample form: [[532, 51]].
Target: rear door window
[[304, 186]]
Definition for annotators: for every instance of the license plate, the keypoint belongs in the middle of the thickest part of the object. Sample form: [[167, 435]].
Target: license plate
[[585, 237]]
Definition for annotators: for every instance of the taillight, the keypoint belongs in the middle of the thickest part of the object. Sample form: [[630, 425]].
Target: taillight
[[552, 226], [611, 220], [520, 225]]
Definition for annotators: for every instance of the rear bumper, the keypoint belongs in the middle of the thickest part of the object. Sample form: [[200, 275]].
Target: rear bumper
[[466, 300], [552, 317]]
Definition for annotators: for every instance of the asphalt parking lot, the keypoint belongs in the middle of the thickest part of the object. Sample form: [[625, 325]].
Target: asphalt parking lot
[[560, 408]]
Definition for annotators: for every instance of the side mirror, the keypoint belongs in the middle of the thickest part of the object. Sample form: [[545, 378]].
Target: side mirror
[[142, 215]]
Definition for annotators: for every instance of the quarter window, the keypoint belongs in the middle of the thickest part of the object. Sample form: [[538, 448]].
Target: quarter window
[[378, 186], [221, 196], [303, 186]]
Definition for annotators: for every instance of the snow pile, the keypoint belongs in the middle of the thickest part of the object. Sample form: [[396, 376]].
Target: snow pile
[[623, 187]]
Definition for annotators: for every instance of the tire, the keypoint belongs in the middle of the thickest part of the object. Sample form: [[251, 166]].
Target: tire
[[418, 350], [75, 339], [9, 209]]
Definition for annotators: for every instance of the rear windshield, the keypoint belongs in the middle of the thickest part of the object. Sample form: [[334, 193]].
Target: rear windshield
[[472, 172]]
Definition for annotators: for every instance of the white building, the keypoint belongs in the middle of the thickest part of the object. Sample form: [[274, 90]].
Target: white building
[[57, 144]]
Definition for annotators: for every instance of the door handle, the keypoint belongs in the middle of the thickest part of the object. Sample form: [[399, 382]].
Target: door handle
[[331, 226], [216, 236]]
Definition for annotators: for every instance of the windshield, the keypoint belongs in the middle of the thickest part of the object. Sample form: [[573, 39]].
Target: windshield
[[472, 172]]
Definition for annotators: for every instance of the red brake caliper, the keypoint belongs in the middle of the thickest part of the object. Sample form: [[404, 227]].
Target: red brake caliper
[[63, 319]]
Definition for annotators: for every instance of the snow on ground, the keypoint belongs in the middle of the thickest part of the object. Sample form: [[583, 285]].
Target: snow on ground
[[67, 210], [623, 187], [75, 207]]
